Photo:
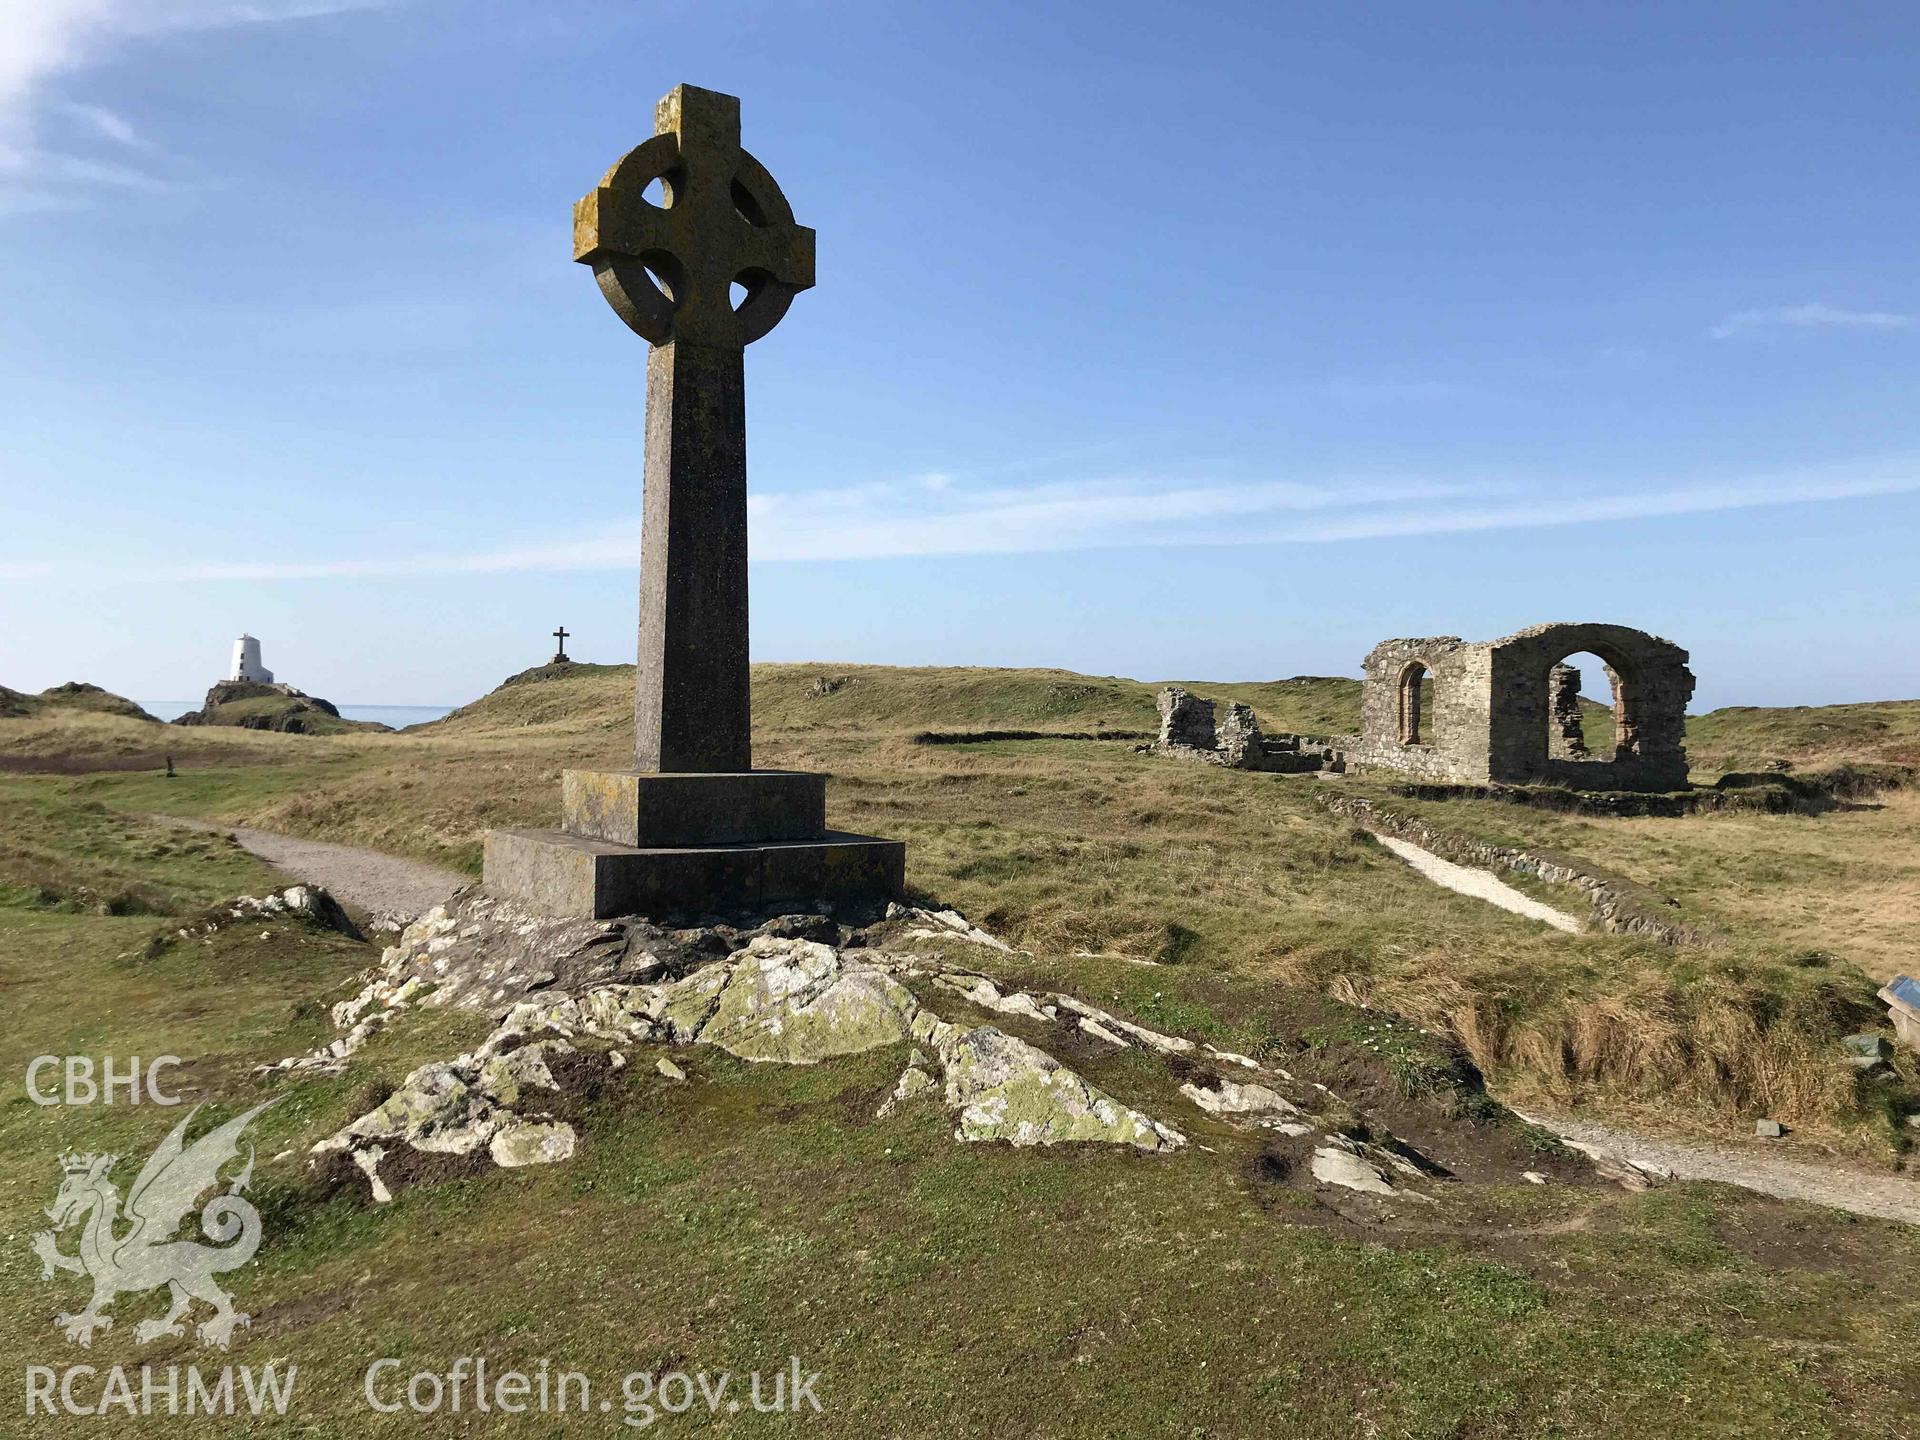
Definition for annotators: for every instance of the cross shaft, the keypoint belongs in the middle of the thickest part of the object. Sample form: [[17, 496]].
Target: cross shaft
[[668, 271]]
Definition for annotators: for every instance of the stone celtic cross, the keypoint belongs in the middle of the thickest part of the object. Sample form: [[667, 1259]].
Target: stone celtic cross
[[669, 271], [692, 828]]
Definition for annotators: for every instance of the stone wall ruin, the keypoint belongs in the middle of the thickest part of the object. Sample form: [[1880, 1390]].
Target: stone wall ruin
[[1507, 711], [1190, 731]]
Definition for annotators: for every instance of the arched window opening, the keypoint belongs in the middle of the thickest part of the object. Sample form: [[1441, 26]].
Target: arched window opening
[[1416, 704], [1585, 709]]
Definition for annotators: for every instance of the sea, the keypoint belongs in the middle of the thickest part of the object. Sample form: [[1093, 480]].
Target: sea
[[398, 716]]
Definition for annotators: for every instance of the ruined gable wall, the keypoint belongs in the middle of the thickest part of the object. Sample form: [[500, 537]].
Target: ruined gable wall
[[1652, 686]]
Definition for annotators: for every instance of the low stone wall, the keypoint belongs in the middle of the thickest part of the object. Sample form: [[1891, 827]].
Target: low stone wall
[[1772, 793], [980, 737], [1619, 906], [1423, 761]]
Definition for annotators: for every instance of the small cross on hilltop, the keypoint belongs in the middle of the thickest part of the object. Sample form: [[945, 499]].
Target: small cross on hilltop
[[560, 650]]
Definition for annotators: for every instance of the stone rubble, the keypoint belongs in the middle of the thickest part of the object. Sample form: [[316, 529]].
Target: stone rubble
[[1002, 1088], [309, 904], [1871, 1055]]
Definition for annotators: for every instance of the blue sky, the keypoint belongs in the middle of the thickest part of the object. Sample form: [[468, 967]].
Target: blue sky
[[1210, 341]]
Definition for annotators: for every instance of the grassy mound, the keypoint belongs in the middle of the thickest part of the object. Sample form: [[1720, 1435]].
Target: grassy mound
[[885, 699], [288, 714], [902, 699], [74, 697], [1746, 737]]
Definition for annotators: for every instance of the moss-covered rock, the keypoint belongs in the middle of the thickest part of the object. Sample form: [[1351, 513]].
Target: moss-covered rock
[[531, 1142], [1006, 1089], [799, 1002]]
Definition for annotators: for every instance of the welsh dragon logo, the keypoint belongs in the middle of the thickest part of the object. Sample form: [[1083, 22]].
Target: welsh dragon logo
[[147, 1256]]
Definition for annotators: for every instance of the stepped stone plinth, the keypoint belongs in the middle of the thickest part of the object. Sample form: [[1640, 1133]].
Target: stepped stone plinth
[[633, 842]]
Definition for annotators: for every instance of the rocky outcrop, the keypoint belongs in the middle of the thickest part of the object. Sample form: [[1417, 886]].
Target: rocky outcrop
[[271, 705], [778, 999], [573, 1000], [796, 1002], [1265, 1107], [1005, 1089]]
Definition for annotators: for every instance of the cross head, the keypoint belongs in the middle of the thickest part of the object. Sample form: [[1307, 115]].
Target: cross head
[[669, 270]]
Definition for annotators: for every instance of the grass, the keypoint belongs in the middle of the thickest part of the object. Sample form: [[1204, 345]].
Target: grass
[[761, 1212], [1072, 846], [58, 852], [1748, 738], [1845, 884]]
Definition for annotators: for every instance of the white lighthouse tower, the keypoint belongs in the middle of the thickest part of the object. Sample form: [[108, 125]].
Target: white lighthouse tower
[[246, 662]]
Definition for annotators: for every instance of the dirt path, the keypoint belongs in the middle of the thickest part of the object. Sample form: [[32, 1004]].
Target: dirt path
[[1860, 1191], [365, 878], [1480, 884]]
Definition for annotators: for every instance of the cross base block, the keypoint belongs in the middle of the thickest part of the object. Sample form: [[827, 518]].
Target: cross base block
[[555, 873], [650, 811]]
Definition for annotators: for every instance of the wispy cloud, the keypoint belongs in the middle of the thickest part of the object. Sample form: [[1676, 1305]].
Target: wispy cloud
[[912, 518], [108, 124], [1810, 317], [55, 150]]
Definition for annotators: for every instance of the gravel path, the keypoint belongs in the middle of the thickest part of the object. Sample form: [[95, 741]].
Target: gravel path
[[365, 878], [1480, 884], [1860, 1191]]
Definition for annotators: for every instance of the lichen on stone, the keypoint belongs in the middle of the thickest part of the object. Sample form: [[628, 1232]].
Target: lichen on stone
[[1006, 1089], [798, 1002]]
